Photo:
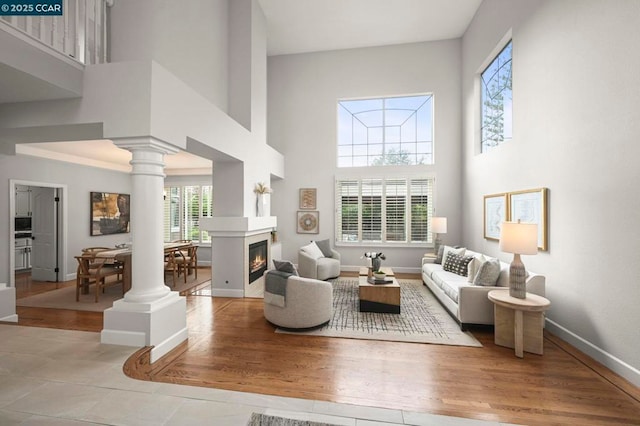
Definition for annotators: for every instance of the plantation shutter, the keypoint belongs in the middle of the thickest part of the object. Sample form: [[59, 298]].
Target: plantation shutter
[[395, 209], [207, 209], [421, 210], [347, 205], [371, 209], [191, 213]]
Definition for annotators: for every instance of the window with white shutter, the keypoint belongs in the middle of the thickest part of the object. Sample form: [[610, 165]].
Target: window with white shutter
[[183, 208], [378, 210]]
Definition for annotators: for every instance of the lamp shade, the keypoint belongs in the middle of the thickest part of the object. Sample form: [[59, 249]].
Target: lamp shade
[[519, 238], [439, 225]]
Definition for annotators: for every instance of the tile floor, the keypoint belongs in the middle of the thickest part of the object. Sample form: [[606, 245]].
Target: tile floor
[[63, 377]]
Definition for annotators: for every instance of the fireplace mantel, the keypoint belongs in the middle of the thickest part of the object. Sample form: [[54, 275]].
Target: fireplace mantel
[[238, 226]]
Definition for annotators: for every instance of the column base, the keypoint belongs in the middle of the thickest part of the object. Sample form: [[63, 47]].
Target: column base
[[161, 324], [8, 303]]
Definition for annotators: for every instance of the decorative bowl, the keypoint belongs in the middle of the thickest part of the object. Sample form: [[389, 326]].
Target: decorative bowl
[[379, 275]]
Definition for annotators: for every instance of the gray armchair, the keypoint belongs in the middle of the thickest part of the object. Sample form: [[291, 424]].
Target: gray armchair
[[307, 303], [321, 268]]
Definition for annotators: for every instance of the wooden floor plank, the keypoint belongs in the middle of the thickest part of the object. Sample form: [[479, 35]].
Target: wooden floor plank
[[231, 346]]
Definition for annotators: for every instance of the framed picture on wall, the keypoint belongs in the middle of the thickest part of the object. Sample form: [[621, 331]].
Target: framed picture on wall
[[495, 212], [109, 213], [308, 198], [308, 222], [530, 206]]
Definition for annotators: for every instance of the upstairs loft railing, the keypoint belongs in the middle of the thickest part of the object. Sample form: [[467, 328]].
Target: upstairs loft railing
[[80, 33]]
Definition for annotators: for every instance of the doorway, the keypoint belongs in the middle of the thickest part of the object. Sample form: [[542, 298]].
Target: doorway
[[37, 231]]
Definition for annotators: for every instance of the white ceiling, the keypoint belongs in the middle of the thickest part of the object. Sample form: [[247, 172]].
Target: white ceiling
[[299, 26]]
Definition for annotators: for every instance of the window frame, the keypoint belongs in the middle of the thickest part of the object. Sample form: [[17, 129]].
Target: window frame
[[409, 225], [168, 223], [370, 145], [506, 41]]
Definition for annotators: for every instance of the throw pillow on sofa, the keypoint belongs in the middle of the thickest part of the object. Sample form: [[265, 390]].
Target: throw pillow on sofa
[[474, 266], [457, 264], [312, 250], [447, 250], [488, 273]]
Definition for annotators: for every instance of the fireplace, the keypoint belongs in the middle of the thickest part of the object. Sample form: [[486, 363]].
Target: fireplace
[[257, 260]]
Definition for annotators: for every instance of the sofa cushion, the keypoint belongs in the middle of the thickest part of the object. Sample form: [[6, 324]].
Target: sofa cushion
[[430, 268], [325, 247], [488, 273], [457, 264], [448, 249], [450, 283], [312, 250], [474, 266]]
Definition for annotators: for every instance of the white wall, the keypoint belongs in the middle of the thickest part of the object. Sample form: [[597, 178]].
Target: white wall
[[80, 181], [189, 41], [576, 100], [302, 113]]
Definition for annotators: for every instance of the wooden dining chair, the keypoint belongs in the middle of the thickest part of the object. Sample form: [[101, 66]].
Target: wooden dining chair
[[95, 270], [172, 260]]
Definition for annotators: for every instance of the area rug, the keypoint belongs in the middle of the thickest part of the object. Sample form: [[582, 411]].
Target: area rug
[[266, 420], [65, 298], [422, 318]]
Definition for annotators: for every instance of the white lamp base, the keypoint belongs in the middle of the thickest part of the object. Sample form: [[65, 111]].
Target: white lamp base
[[517, 278]]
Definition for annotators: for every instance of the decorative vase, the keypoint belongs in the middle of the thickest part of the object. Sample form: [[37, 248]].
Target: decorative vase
[[376, 263], [261, 203]]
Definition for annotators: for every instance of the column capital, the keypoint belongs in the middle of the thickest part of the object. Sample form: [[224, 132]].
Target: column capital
[[147, 143]]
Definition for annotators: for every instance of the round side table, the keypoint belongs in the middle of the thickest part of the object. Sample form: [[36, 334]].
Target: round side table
[[519, 322]]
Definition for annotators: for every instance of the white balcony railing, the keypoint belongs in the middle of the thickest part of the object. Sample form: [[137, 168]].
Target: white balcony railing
[[80, 33]]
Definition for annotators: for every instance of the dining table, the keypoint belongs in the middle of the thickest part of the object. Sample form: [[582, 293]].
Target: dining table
[[123, 255]]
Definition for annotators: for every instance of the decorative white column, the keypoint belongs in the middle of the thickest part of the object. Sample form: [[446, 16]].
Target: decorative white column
[[150, 314]]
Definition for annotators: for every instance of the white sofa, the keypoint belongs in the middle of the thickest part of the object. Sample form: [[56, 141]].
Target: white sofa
[[468, 303]]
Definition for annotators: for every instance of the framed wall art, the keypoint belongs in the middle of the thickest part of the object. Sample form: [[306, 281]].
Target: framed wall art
[[530, 206], [308, 222], [495, 212], [308, 198], [109, 213]]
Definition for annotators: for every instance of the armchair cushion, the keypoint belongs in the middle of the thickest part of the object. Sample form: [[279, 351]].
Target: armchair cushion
[[312, 250], [285, 266], [325, 247]]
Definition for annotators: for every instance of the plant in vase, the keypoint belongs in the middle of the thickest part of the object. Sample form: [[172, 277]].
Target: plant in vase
[[376, 260], [260, 190]]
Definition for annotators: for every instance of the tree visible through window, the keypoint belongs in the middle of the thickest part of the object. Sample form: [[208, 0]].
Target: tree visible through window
[[497, 101], [385, 131]]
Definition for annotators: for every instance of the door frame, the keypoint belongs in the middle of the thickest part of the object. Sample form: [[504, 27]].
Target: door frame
[[62, 226]]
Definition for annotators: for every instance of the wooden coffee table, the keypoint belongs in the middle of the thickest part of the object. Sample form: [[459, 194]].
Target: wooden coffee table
[[382, 298]]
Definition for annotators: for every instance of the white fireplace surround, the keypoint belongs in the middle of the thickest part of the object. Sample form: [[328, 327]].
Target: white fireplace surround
[[230, 239]]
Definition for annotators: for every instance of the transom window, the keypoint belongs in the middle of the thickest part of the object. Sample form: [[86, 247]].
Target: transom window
[[183, 208], [385, 131], [497, 117], [384, 210]]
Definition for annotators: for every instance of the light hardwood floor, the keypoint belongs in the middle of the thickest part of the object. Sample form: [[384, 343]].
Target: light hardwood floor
[[232, 347]]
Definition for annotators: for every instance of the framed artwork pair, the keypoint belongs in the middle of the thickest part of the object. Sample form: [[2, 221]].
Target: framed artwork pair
[[528, 206], [308, 218]]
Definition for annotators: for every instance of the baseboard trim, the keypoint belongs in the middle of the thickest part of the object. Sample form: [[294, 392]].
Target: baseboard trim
[[605, 358], [10, 318], [223, 292]]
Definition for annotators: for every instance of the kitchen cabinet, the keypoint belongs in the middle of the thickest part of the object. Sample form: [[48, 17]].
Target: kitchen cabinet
[[23, 200], [23, 253]]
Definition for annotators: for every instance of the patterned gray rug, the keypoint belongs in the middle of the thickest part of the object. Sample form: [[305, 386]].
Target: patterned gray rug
[[265, 420], [422, 318]]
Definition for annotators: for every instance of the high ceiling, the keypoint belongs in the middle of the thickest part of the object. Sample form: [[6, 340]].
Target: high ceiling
[[297, 26], [300, 26]]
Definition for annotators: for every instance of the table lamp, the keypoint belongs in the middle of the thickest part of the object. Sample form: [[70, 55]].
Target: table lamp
[[438, 226], [518, 238]]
